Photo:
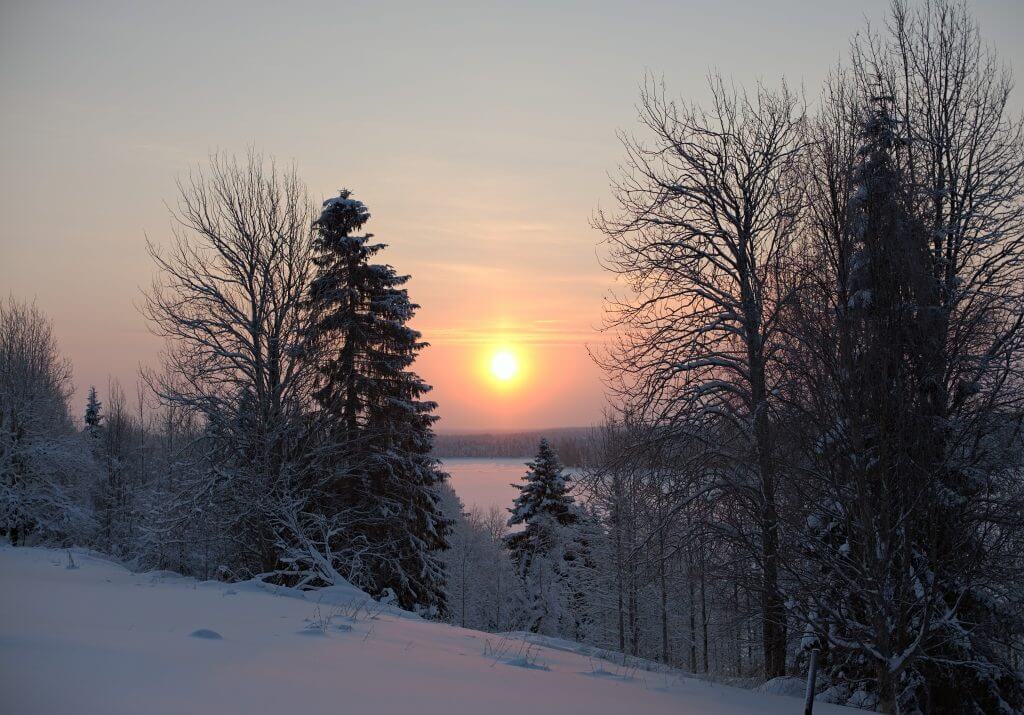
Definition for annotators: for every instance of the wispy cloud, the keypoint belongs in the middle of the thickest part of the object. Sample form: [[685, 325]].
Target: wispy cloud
[[554, 332], [485, 272]]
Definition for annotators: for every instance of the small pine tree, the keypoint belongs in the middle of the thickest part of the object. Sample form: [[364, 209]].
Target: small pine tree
[[371, 403], [544, 493], [542, 549], [93, 406]]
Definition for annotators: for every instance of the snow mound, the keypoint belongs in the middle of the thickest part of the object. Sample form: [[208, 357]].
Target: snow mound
[[793, 687], [526, 662], [113, 647], [863, 699], [313, 632]]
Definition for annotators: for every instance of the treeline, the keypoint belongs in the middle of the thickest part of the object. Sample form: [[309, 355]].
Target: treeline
[[571, 443]]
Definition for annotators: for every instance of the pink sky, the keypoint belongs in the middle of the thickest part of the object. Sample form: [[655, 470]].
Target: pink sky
[[480, 135]]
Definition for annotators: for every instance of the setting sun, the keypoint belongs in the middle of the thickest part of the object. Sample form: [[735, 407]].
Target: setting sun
[[504, 365]]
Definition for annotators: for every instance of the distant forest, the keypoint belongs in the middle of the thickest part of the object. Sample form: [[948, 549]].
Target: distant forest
[[570, 443]]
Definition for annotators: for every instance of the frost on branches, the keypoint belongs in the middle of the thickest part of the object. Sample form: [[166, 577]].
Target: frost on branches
[[376, 473]]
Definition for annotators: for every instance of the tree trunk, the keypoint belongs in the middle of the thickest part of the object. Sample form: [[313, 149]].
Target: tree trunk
[[704, 615], [662, 583], [693, 612]]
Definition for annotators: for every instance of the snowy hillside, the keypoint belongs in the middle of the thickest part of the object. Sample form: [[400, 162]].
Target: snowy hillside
[[99, 639]]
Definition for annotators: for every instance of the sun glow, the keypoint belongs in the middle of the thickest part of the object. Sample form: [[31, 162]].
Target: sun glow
[[504, 366]]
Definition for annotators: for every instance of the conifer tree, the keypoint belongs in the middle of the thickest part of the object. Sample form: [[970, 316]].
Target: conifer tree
[[541, 550], [372, 410], [92, 411], [893, 540], [544, 494]]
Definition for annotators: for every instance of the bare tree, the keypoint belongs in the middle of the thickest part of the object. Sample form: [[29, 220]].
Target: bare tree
[[703, 235], [227, 300], [118, 448]]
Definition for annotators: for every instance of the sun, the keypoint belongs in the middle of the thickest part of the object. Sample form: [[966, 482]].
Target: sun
[[504, 366]]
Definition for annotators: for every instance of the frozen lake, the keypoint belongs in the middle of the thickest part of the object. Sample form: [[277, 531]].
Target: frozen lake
[[483, 481]]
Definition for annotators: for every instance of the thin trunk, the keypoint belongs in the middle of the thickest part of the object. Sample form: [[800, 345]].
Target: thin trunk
[[739, 627], [772, 609], [498, 595], [693, 612], [634, 619], [463, 594], [619, 585], [704, 615], [662, 581]]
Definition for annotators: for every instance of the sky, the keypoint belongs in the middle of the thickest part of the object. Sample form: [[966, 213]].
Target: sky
[[480, 135]]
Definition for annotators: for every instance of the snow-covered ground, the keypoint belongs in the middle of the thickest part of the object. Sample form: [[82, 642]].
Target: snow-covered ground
[[100, 639]]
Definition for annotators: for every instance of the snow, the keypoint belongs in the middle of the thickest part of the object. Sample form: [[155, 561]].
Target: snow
[[206, 634], [793, 687], [102, 639], [343, 201]]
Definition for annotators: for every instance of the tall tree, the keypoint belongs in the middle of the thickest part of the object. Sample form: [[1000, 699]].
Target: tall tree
[[227, 300], [373, 413], [912, 370], [707, 220], [890, 438]]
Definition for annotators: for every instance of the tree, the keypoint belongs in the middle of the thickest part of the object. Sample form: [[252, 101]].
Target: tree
[[480, 578], [586, 576], [372, 413], [92, 410], [912, 439], [890, 442], [545, 509], [175, 530], [118, 449], [544, 493], [227, 300], [964, 164], [707, 220], [42, 465]]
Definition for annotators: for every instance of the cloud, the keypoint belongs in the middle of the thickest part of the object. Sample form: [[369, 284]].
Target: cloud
[[540, 332]]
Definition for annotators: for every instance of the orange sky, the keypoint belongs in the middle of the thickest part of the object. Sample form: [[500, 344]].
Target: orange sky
[[480, 135]]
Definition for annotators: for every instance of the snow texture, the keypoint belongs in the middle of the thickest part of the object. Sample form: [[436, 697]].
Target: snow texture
[[103, 639]]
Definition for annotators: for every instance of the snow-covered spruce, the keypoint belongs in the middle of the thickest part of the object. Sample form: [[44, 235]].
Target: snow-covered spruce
[[372, 511], [543, 548], [893, 600]]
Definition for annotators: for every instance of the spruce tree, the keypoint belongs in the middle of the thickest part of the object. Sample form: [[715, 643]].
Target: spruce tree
[[373, 411], [543, 548], [893, 608], [543, 494], [92, 411]]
